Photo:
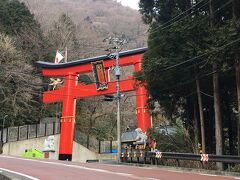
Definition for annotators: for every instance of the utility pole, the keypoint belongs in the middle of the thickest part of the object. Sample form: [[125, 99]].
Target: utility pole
[[118, 74], [117, 46]]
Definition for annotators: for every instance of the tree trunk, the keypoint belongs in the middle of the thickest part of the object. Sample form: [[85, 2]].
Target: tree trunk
[[201, 117], [236, 8], [230, 127], [196, 127], [237, 68], [236, 15], [210, 129], [217, 111], [216, 93]]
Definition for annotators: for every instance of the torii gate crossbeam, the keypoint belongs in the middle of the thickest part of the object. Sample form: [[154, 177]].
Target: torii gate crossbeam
[[73, 90]]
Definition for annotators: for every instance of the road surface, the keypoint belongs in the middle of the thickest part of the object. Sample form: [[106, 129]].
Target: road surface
[[62, 170]]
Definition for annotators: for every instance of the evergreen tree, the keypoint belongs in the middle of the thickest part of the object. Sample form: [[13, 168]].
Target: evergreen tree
[[17, 21], [182, 48]]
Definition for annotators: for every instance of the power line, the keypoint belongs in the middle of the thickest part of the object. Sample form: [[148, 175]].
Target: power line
[[161, 70], [175, 22], [162, 27], [185, 68], [192, 80], [164, 69], [206, 94], [186, 12], [172, 87], [197, 57], [166, 24], [218, 9]]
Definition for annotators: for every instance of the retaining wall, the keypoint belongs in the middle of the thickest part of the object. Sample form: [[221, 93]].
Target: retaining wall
[[17, 148]]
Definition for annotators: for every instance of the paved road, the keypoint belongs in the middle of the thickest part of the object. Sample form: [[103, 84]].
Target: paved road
[[61, 170]]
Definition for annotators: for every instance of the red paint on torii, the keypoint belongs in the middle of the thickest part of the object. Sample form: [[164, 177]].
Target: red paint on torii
[[73, 90]]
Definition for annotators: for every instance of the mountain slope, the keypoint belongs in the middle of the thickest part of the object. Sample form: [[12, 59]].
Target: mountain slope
[[95, 20]]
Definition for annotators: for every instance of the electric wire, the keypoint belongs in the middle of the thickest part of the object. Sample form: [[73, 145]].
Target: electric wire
[[163, 28], [92, 82], [167, 23], [169, 67], [159, 91], [206, 94], [183, 17]]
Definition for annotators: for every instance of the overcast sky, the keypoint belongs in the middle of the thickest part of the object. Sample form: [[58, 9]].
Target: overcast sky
[[131, 3]]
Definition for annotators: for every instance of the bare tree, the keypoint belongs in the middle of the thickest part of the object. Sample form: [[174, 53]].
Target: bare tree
[[63, 34], [17, 85]]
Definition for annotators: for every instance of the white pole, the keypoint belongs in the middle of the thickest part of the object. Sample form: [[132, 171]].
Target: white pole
[[65, 58]]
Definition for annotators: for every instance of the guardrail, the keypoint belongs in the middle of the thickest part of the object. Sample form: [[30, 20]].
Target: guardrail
[[147, 157], [18, 133]]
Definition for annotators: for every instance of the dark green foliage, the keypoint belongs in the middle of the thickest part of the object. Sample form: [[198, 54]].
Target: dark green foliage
[[14, 16], [17, 21], [181, 48]]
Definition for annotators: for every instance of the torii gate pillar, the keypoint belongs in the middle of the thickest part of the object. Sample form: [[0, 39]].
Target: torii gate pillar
[[68, 119], [142, 111]]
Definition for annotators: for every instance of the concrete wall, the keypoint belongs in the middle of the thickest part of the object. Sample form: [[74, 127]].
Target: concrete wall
[[80, 153]]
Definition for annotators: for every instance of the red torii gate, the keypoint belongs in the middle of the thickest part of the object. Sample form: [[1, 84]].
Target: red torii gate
[[73, 90]]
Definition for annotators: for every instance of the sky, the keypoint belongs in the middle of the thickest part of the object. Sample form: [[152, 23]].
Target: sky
[[131, 3]]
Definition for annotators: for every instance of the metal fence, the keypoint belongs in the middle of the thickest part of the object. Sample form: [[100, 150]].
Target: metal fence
[[82, 138], [163, 158], [25, 132], [108, 146], [18, 133], [92, 143]]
